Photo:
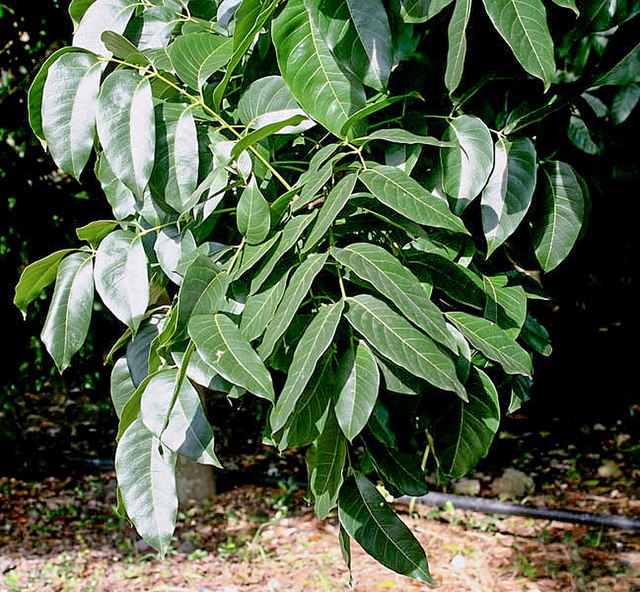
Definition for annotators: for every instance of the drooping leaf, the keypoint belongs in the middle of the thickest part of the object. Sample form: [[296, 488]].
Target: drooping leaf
[[520, 393], [126, 128], [420, 11], [252, 254], [506, 305], [507, 196], [95, 231], [493, 342], [467, 167], [400, 342], [624, 102], [253, 216], [197, 56], [121, 276], [312, 345], [171, 249], [401, 193], [139, 352], [457, 44], [536, 337], [121, 386], [463, 436], [368, 519], [120, 198], [561, 213], [69, 316], [311, 71], [102, 15], [400, 470], [523, 25], [260, 308], [220, 344], [147, 482]]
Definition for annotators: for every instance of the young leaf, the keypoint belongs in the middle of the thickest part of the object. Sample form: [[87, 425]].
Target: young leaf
[[493, 342], [310, 70], [260, 308], [197, 56], [253, 217], [102, 15], [457, 44], [121, 277], [222, 346], [312, 345], [561, 214], [147, 482], [401, 193], [69, 103], [523, 25], [368, 519], [122, 387], [400, 342], [507, 196], [467, 167], [69, 316]]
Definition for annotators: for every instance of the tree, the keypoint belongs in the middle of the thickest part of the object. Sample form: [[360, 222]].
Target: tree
[[328, 206]]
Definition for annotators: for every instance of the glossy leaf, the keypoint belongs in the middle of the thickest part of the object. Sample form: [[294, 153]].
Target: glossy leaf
[[560, 215], [67, 323], [101, 16], [197, 56], [402, 136], [419, 11], [260, 308], [253, 217], [400, 470], [506, 305], [457, 44], [220, 344], [270, 129], [121, 386], [368, 519], [507, 196], [95, 231], [120, 198], [400, 342], [570, 4], [624, 102], [121, 277], [311, 71]]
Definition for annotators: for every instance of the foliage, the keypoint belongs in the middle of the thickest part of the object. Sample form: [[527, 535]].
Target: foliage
[[328, 205]]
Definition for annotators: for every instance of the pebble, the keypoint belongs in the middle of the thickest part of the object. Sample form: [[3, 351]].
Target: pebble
[[458, 562]]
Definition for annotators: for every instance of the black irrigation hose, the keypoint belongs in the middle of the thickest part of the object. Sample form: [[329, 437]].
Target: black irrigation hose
[[489, 506]]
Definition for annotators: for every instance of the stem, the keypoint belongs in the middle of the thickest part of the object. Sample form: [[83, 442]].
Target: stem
[[233, 260]]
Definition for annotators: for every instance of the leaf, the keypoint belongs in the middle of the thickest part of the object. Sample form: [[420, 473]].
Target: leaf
[[561, 213], [172, 249], [126, 128], [625, 72], [270, 129], [68, 117], [358, 382], [67, 323], [77, 8], [506, 305], [295, 293], [392, 279], [95, 231], [523, 25], [311, 72], [252, 254], [314, 342], [520, 393], [222, 346], [401, 136], [156, 26], [359, 37], [493, 342], [401, 343], [171, 410], [536, 337], [122, 201], [467, 167], [147, 482], [102, 15], [333, 205], [624, 102], [139, 352], [368, 519], [122, 387], [196, 56], [122, 48], [401, 193], [570, 4], [508, 193], [329, 455], [400, 470], [463, 436], [420, 11], [580, 134], [36, 277], [252, 216], [457, 44], [260, 308], [121, 277]]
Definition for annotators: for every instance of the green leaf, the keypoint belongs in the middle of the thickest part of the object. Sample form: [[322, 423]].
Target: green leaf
[[463, 436], [156, 26], [127, 129], [171, 410], [122, 201], [493, 342], [252, 254], [401, 193], [253, 217], [570, 4], [506, 305], [400, 470], [291, 123], [561, 213], [536, 337], [380, 426], [102, 15], [222, 346], [358, 382], [359, 37], [523, 25], [520, 393], [392, 279], [314, 342], [328, 457], [625, 72], [122, 387], [310, 70], [95, 231], [400, 342], [121, 277], [36, 277], [147, 481], [467, 167], [457, 44], [580, 134], [420, 11], [401, 136], [507, 196], [368, 519], [122, 48], [260, 308], [295, 293], [196, 56], [68, 116], [69, 316], [77, 8], [333, 205], [624, 102]]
